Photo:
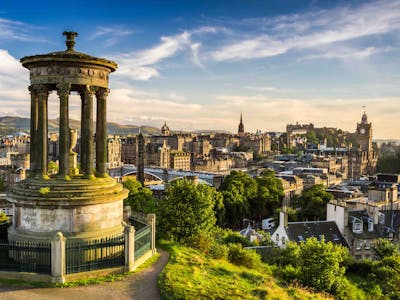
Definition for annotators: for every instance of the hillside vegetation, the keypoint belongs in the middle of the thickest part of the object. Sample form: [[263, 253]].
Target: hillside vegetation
[[189, 274]]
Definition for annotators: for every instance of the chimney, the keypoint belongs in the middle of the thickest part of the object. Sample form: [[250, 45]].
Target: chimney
[[193, 178], [283, 218]]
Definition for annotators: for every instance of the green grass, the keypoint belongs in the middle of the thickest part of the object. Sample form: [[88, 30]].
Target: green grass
[[20, 282], [112, 277], [191, 275]]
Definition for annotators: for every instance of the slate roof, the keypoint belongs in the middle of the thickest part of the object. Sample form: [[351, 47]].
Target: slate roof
[[300, 231]]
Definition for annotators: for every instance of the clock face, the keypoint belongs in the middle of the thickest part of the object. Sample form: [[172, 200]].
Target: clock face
[[362, 130]]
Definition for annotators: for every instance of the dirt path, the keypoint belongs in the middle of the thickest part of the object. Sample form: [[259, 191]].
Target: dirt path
[[139, 286]]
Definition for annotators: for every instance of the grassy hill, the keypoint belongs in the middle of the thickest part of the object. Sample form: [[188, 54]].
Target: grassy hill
[[191, 275]]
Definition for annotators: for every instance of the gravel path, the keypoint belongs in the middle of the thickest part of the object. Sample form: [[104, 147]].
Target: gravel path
[[139, 286]]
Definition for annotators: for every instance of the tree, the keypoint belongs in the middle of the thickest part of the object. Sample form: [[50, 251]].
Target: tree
[[187, 210], [238, 190], [315, 264], [140, 199], [269, 195], [384, 248], [313, 201]]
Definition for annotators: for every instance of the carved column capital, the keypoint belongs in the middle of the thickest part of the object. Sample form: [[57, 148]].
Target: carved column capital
[[63, 89], [41, 90], [102, 93], [88, 91]]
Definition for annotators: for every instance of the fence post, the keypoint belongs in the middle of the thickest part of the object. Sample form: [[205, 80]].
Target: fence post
[[58, 258], [129, 236], [151, 220]]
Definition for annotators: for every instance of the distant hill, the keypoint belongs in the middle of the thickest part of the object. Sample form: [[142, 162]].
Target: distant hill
[[10, 125]]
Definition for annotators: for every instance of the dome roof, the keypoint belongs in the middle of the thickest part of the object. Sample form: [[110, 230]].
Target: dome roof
[[67, 56]]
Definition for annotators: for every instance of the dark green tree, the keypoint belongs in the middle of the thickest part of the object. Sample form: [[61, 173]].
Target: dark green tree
[[187, 210], [140, 199], [313, 201], [238, 190], [269, 195]]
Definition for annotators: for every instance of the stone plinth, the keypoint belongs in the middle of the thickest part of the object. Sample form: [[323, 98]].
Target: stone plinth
[[79, 208]]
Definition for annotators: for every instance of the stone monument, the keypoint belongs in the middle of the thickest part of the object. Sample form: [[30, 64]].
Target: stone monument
[[82, 205]]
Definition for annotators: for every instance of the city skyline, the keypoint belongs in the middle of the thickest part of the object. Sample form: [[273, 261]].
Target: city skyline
[[199, 65]]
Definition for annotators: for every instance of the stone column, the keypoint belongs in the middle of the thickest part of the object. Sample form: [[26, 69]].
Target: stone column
[[151, 220], [63, 90], [58, 258], [41, 137], [33, 130], [129, 235], [87, 132], [101, 132]]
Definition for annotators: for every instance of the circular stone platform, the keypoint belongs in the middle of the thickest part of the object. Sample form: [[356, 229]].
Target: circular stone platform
[[79, 208]]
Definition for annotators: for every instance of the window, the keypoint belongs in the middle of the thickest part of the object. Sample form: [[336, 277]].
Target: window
[[321, 237], [367, 245], [277, 237], [370, 225], [358, 245], [283, 240], [335, 237], [357, 227], [300, 237]]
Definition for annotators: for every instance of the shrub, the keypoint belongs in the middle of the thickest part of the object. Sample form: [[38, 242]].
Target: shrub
[[242, 257], [219, 251], [202, 242]]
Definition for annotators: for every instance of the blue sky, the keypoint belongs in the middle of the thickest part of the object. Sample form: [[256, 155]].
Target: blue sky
[[198, 64]]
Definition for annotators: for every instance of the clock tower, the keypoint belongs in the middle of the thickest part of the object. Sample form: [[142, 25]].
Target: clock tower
[[364, 134]]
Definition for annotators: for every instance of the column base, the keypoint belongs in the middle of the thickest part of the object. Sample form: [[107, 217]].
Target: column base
[[89, 176], [64, 177], [101, 175]]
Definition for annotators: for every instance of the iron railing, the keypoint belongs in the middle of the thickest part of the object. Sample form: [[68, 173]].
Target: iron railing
[[25, 256], [142, 241], [96, 254]]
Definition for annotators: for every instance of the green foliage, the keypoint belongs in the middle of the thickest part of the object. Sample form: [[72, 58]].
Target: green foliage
[[237, 189], [187, 210], [246, 197], [269, 195], [140, 199], [313, 201], [3, 218], [314, 263], [191, 275], [383, 248], [242, 257], [386, 272], [44, 190], [389, 163]]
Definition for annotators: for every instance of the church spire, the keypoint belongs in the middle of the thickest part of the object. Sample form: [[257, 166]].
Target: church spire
[[241, 126]]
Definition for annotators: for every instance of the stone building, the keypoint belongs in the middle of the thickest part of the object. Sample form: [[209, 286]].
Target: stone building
[[114, 152], [180, 160], [362, 158]]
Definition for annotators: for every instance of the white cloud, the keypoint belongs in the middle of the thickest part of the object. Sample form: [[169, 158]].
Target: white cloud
[[312, 30]]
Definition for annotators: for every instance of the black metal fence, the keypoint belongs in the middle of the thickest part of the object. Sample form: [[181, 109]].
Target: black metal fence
[[25, 256], [142, 241], [96, 254]]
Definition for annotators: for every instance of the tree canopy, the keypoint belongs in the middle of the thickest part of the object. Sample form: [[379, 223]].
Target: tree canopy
[[140, 199], [187, 210], [313, 201]]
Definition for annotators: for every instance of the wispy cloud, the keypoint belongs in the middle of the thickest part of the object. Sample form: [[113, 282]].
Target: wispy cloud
[[15, 30], [111, 34], [312, 30]]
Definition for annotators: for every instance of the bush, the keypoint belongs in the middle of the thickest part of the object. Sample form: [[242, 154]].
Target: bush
[[219, 251], [202, 242], [288, 273], [242, 257], [232, 237]]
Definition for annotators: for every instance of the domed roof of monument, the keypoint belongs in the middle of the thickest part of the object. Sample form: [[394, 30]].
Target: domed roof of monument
[[68, 56]]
